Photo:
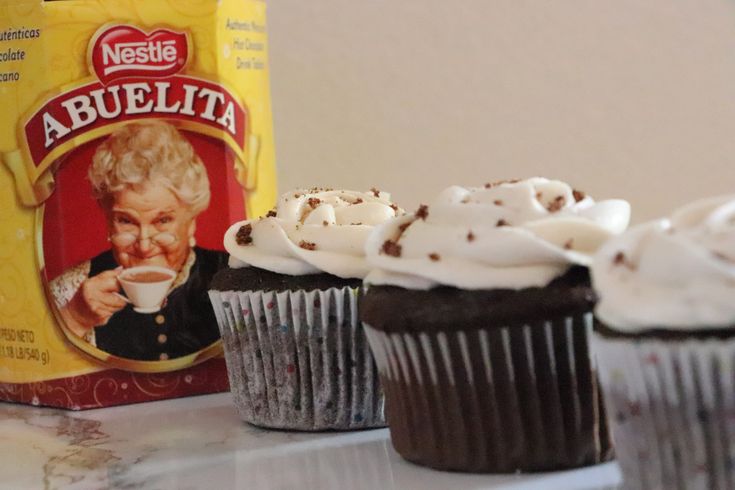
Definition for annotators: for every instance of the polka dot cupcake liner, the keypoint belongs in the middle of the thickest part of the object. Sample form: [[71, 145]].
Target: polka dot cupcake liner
[[498, 400], [672, 410], [299, 359]]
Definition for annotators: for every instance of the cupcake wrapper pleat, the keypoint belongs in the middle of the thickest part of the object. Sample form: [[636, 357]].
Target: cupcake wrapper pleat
[[299, 360], [672, 410], [494, 399]]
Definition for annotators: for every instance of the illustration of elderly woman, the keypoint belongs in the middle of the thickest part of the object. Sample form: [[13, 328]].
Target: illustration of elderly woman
[[151, 186]]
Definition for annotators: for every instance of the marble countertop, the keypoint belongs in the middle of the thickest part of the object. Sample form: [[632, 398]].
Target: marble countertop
[[200, 443]]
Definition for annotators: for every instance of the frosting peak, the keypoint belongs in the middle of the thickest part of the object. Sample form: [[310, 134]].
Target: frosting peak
[[514, 234], [312, 231], [675, 273]]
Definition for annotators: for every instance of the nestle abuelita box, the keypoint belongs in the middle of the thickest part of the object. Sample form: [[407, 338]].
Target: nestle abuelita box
[[133, 133]]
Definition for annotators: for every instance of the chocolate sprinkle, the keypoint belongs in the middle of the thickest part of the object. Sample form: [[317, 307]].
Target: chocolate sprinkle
[[358, 201], [375, 192], [271, 214], [498, 202], [470, 236], [307, 245], [394, 207], [243, 236], [392, 248], [578, 195], [325, 223], [314, 202], [556, 205], [423, 212], [434, 257], [502, 222], [621, 259]]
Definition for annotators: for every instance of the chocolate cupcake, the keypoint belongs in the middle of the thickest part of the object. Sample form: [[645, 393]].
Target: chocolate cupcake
[[478, 313], [665, 339], [287, 309]]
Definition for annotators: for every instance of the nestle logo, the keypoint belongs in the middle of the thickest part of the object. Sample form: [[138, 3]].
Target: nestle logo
[[126, 51]]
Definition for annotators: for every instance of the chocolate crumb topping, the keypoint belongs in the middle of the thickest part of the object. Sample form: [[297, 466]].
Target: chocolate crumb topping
[[423, 212], [556, 205], [470, 236], [271, 214], [490, 185], [578, 195], [405, 226], [392, 248], [498, 202], [314, 202], [621, 259], [325, 223], [243, 236], [434, 257], [569, 244], [375, 192], [394, 207], [307, 245], [358, 201], [502, 222]]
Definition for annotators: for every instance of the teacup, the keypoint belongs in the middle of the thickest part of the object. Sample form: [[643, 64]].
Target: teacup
[[147, 286]]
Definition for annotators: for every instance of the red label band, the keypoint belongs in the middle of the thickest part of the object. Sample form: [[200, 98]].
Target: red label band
[[93, 106]]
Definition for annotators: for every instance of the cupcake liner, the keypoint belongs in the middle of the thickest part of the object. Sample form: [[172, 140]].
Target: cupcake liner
[[299, 359], [672, 410], [494, 399]]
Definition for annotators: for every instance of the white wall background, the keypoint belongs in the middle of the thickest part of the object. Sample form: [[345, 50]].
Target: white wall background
[[623, 98]]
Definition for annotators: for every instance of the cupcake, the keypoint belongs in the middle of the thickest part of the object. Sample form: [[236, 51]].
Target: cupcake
[[478, 314], [665, 338], [287, 309]]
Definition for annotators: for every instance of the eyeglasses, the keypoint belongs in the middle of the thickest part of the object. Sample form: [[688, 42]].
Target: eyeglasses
[[126, 238]]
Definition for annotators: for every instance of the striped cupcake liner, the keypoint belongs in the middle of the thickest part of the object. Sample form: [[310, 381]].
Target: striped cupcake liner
[[299, 359], [672, 410], [495, 399]]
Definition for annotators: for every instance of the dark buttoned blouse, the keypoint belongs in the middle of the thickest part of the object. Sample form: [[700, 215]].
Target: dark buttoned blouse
[[185, 325]]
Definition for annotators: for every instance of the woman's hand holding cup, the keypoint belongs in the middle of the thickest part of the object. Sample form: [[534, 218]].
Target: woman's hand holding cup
[[95, 302]]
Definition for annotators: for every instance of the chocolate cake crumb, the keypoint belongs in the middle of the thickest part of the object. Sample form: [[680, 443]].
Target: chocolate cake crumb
[[394, 207], [423, 212], [243, 236], [502, 222], [621, 259], [498, 202], [569, 244], [578, 195], [358, 201], [392, 248], [500, 182], [271, 214], [434, 257], [470, 236], [556, 205], [314, 202], [375, 192], [307, 245], [325, 223]]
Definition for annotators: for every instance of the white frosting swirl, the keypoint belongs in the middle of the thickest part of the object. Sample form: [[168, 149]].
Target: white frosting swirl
[[676, 273], [508, 235], [313, 231]]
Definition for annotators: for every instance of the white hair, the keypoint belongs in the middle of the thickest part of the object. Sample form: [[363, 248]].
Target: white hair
[[149, 152]]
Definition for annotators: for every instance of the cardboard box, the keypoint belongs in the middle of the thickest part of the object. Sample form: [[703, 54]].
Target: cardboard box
[[133, 133]]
